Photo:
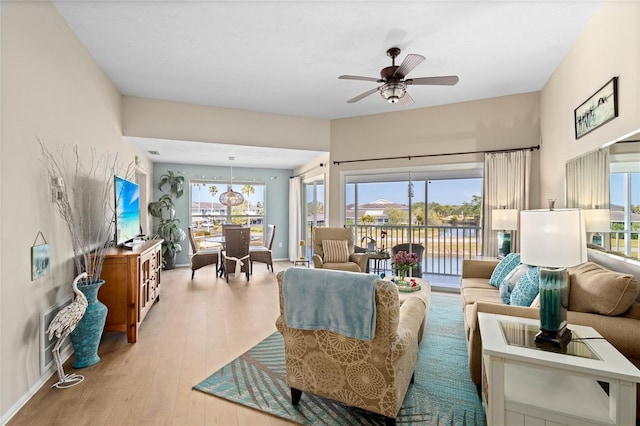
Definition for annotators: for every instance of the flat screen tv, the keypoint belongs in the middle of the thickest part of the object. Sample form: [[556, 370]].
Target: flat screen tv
[[127, 196]]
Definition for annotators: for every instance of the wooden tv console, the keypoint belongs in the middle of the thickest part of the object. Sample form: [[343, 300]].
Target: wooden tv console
[[132, 285]]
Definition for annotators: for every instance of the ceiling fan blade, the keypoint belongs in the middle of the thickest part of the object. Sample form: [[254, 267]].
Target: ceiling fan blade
[[449, 80], [410, 62], [406, 100], [362, 95], [356, 77]]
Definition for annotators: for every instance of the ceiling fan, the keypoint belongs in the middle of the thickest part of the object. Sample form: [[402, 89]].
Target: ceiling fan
[[394, 88]]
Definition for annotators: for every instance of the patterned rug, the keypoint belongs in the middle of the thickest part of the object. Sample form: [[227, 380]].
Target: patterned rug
[[442, 393]]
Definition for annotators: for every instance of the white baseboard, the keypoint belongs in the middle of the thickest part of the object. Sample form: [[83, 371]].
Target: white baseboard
[[65, 355]]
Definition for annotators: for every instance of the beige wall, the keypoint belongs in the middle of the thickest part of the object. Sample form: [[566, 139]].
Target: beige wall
[[52, 89], [489, 124], [608, 47], [178, 121]]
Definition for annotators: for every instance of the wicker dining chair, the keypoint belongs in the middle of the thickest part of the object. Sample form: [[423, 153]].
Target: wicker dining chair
[[236, 252], [263, 254], [201, 258]]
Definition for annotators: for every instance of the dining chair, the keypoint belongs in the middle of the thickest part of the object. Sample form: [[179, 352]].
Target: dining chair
[[235, 257], [263, 254], [200, 257]]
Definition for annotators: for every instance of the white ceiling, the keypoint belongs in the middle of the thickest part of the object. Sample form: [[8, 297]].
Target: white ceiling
[[284, 57]]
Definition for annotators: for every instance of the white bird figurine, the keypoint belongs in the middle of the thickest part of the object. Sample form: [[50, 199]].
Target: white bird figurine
[[61, 326]]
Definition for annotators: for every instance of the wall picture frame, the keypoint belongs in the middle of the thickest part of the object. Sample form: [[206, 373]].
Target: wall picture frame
[[40, 258], [600, 108]]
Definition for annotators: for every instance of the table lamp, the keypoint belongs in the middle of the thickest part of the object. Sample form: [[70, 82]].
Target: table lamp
[[553, 240], [597, 220], [504, 221]]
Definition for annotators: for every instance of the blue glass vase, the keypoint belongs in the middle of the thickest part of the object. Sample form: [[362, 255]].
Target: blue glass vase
[[87, 334]]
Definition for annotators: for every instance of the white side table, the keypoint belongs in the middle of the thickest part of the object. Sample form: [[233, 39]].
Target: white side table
[[523, 385]]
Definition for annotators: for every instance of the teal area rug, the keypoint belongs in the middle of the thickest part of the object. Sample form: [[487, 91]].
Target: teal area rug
[[442, 393]]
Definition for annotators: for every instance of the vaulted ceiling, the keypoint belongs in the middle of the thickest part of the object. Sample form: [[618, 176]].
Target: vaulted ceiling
[[284, 57]]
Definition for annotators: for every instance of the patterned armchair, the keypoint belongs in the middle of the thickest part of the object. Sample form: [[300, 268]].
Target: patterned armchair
[[350, 261], [373, 375]]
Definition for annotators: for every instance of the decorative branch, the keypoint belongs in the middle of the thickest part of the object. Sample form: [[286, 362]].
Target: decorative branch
[[85, 202]]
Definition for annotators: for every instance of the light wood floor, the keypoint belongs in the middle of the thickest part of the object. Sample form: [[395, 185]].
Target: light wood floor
[[197, 327]]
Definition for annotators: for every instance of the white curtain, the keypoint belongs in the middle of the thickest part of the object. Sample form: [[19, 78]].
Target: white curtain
[[588, 180], [506, 183], [295, 216]]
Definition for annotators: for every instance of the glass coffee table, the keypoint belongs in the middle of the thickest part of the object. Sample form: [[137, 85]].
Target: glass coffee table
[[591, 384]]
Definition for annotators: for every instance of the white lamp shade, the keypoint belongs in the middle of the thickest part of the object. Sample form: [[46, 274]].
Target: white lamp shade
[[597, 220], [553, 238], [504, 219]]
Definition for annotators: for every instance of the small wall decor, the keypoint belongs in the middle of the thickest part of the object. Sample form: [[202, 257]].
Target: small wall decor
[[600, 108], [40, 256]]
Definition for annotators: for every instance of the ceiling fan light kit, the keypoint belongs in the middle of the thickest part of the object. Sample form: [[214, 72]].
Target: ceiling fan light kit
[[392, 92], [394, 87]]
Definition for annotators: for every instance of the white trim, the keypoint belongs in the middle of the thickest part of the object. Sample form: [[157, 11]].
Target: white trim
[[13, 410]]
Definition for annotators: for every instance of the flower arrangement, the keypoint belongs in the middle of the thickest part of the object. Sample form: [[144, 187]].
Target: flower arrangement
[[404, 261]]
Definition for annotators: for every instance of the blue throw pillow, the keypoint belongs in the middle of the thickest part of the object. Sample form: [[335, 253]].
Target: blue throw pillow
[[508, 284], [505, 266], [527, 288]]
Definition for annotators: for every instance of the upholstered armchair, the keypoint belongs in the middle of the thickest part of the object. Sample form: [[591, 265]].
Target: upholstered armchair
[[338, 252], [374, 374]]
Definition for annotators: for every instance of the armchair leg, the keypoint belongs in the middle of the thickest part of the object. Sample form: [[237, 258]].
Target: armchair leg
[[296, 394], [193, 272], [389, 421], [413, 378]]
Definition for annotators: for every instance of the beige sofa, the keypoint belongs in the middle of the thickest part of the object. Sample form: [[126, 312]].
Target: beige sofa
[[617, 290]]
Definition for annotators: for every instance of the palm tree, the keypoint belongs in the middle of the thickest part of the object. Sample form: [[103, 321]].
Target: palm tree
[[199, 186], [213, 190]]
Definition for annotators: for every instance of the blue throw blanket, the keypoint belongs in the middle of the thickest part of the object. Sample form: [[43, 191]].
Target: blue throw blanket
[[343, 302]]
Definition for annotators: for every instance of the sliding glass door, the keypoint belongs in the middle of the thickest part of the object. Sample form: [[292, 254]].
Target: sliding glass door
[[453, 223], [438, 219]]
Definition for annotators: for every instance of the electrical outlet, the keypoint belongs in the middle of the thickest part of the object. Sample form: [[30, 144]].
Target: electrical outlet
[[279, 245]]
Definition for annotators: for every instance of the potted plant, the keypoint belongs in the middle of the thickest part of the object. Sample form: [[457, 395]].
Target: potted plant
[[82, 189], [371, 243], [164, 211]]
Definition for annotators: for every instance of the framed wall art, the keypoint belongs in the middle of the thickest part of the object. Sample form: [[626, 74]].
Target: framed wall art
[[600, 108], [40, 258]]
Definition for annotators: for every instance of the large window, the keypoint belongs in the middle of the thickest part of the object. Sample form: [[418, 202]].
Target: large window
[[207, 214], [625, 208]]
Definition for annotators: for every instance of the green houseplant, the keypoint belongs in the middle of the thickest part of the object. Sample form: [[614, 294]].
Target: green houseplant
[[164, 211]]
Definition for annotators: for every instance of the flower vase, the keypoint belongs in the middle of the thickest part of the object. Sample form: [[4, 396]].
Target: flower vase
[[401, 281], [87, 334]]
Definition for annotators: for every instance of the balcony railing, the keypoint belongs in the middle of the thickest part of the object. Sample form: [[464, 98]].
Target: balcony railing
[[445, 246]]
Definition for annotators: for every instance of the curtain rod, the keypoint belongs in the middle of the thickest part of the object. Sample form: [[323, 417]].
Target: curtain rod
[[409, 157], [306, 171]]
